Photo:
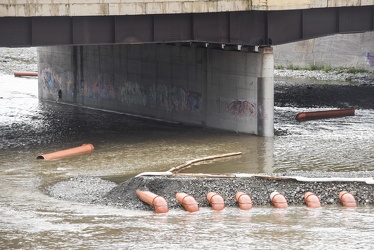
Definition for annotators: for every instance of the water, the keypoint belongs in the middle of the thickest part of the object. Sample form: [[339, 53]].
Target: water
[[126, 146]]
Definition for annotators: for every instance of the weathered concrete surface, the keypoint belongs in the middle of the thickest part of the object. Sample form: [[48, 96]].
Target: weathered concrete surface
[[27, 8], [199, 86], [342, 50], [259, 188]]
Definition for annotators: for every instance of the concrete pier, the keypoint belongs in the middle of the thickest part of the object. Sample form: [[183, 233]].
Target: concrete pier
[[211, 87]]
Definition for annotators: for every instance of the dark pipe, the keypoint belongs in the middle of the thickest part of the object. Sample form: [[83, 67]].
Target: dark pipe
[[304, 116]]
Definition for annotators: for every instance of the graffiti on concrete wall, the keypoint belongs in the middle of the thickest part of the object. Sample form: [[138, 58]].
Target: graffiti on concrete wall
[[370, 59], [242, 108], [132, 93], [172, 98], [100, 87], [161, 96], [193, 101], [50, 80]]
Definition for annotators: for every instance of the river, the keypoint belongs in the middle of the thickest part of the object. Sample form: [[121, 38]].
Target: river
[[127, 145]]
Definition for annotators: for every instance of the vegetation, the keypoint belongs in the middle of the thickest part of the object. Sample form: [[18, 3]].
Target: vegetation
[[324, 68]]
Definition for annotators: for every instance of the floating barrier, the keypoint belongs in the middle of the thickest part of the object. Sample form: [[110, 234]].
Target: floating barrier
[[305, 116], [347, 199], [278, 200], [244, 200], [312, 200], [25, 73], [187, 201], [67, 152], [216, 201], [188, 164], [157, 202]]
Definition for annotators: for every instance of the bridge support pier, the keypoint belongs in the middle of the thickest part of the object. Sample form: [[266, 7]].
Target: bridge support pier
[[229, 90], [265, 93]]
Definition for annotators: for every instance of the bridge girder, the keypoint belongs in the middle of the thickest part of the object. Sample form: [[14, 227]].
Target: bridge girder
[[248, 28]]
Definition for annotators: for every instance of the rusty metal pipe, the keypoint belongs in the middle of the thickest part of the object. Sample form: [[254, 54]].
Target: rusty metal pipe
[[305, 116]]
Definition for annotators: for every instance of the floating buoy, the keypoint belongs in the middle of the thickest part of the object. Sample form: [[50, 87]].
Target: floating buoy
[[312, 200], [347, 199], [25, 73], [304, 116], [216, 201], [187, 201], [244, 200], [278, 200], [67, 152], [157, 202]]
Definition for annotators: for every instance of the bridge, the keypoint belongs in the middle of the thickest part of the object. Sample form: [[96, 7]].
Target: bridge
[[201, 62]]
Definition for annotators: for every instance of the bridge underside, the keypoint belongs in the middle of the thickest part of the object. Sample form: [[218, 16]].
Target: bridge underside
[[247, 28]]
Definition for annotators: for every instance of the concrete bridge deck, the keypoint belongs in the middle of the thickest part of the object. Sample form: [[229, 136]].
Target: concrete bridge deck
[[26, 8]]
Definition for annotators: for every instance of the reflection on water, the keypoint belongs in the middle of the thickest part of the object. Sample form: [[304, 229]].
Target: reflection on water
[[126, 146]]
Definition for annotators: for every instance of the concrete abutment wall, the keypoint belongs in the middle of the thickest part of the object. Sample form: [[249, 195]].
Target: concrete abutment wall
[[230, 90]]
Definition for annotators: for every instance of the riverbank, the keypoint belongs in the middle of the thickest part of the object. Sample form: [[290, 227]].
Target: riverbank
[[17, 59], [341, 75], [259, 187]]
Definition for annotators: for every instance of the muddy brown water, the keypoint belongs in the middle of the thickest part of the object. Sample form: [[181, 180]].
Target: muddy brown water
[[128, 145]]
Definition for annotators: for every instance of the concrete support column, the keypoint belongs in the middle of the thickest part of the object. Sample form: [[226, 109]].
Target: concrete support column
[[265, 93]]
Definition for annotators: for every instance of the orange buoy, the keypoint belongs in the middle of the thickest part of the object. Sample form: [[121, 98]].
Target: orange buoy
[[347, 199], [312, 200], [188, 202], [157, 202], [25, 73], [67, 152], [304, 116], [244, 200], [216, 201], [278, 200]]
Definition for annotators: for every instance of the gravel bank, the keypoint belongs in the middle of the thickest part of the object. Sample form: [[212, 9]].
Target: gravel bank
[[123, 195], [17, 59], [333, 75]]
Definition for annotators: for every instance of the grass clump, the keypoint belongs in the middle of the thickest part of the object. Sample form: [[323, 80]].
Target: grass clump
[[324, 68]]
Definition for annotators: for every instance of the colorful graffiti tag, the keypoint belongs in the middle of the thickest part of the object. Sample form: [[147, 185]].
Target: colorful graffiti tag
[[370, 59], [101, 88], [50, 80], [173, 98], [242, 108], [132, 93]]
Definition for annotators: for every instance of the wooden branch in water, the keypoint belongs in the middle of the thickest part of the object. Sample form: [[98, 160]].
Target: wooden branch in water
[[208, 158]]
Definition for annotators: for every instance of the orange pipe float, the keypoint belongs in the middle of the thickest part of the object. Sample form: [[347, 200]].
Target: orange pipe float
[[312, 200], [67, 152], [304, 116], [157, 202], [278, 200], [188, 202], [25, 73], [216, 201], [244, 200], [347, 199]]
